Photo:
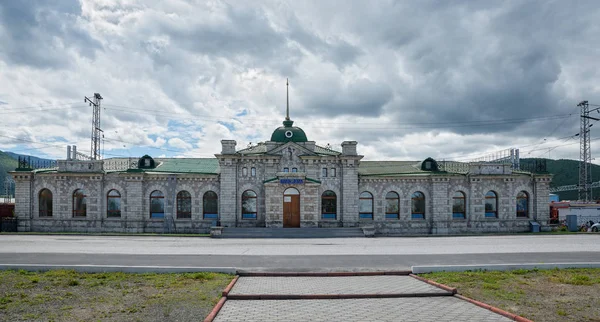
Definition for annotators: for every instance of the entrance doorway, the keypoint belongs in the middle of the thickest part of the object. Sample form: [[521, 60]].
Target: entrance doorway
[[291, 208]]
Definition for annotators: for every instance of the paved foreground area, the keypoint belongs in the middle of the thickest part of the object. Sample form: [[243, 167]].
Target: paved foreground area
[[333, 285], [433, 304], [442, 309]]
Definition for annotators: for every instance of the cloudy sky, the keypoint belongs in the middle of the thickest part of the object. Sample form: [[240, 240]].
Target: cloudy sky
[[453, 80]]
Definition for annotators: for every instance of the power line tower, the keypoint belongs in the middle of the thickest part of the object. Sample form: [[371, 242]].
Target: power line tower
[[96, 131], [585, 154]]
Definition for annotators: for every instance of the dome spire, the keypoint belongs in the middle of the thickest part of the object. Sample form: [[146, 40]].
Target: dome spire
[[287, 90], [287, 122]]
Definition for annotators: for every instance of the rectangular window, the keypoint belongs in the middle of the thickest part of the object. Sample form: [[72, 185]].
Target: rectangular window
[[324, 172], [294, 169], [333, 172], [286, 169], [244, 171], [248, 216], [253, 171]]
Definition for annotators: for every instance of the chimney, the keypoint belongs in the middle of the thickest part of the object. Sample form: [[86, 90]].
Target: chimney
[[68, 153], [349, 147], [228, 146]]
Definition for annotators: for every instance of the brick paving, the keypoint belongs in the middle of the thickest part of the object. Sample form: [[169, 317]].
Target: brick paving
[[442, 309], [333, 285], [428, 308]]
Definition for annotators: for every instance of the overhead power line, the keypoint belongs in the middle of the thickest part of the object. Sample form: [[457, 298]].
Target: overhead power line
[[38, 106]]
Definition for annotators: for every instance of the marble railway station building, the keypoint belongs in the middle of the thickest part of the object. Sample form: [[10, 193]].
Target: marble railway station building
[[287, 181]]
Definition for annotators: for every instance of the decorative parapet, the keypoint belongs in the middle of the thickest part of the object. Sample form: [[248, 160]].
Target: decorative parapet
[[120, 164], [80, 165], [26, 164]]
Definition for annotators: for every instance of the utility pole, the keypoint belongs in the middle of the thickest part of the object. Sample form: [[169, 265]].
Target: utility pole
[[585, 154], [95, 150]]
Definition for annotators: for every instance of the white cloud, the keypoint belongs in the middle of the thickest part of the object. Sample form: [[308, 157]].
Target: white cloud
[[179, 144], [405, 80]]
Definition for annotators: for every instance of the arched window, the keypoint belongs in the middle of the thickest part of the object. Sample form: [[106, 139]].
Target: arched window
[[491, 204], [253, 172], [249, 205], [522, 204], [79, 203], [157, 204], [459, 205], [392, 205], [184, 205], [45, 203], [210, 205], [113, 204], [418, 205], [365, 205], [244, 171], [328, 205]]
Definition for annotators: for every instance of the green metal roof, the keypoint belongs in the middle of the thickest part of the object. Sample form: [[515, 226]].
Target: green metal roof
[[187, 165], [325, 151], [378, 168], [257, 149]]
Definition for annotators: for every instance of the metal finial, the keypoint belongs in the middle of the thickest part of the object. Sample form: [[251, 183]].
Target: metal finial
[[287, 88]]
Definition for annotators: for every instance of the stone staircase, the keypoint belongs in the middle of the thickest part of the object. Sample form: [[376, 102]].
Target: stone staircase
[[262, 232]]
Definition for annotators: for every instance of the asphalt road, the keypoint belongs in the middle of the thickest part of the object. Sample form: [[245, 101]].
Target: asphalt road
[[297, 254]]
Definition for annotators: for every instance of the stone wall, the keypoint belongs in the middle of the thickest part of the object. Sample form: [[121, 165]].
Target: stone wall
[[439, 191], [135, 190]]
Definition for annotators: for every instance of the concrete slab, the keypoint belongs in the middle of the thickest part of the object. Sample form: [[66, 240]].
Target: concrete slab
[[333, 286], [439, 309]]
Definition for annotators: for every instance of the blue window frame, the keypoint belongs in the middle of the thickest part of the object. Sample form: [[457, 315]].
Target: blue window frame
[[522, 203], [418, 205], [184, 205], [328, 205], [491, 204], [392, 205], [365, 205], [459, 205], [157, 204], [210, 205], [249, 205]]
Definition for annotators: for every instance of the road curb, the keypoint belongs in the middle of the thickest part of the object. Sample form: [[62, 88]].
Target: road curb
[[230, 286], [494, 309], [320, 274], [329, 296], [118, 268], [213, 314], [421, 269], [447, 288]]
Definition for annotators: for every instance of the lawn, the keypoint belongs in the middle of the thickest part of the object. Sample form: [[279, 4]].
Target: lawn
[[62, 295], [539, 295]]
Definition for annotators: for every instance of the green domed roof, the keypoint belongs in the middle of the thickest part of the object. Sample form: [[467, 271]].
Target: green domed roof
[[287, 133]]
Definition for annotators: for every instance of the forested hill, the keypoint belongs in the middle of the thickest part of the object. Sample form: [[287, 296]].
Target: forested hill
[[566, 172], [7, 163]]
